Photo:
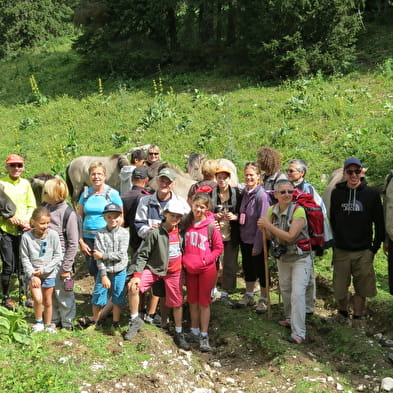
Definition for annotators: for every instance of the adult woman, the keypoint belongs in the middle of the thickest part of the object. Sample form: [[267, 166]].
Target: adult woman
[[55, 192], [226, 202], [90, 207], [254, 205], [287, 227], [153, 155], [269, 162]]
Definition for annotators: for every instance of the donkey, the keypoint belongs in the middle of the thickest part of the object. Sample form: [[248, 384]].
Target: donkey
[[77, 172], [194, 167]]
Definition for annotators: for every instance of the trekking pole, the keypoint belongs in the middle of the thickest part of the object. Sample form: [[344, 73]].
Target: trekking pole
[[267, 281]]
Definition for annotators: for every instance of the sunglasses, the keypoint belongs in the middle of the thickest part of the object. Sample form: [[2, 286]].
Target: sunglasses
[[283, 192], [154, 154], [43, 248], [16, 165], [352, 171], [292, 170]]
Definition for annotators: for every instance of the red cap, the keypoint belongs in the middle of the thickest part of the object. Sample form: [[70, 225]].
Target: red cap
[[14, 159]]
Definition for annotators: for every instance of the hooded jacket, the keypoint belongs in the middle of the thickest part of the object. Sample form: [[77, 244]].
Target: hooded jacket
[[353, 213], [199, 254]]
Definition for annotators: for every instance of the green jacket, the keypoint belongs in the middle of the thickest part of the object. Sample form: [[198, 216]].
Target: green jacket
[[153, 254]]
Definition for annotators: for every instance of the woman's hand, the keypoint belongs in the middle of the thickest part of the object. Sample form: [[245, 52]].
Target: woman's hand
[[263, 223], [231, 217], [86, 250]]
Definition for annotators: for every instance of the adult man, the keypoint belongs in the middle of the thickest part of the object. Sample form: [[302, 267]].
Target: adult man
[[356, 216], [149, 215], [21, 194], [138, 158], [131, 200], [296, 173], [388, 244]]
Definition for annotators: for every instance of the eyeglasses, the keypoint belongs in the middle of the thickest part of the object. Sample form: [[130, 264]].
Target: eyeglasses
[[352, 171], [292, 170], [283, 192], [154, 154], [43, 248], [16, 165]]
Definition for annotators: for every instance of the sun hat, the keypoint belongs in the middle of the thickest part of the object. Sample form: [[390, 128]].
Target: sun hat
[[14, 159], [167, 172], [174, 207], [112, 208], [352, 161]]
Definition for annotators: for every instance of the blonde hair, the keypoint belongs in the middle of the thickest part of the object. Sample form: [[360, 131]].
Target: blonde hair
[[97, 164], [56, 189], [208, 169]]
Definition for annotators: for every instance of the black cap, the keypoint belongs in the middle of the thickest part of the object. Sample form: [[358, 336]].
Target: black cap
[[112, 208], [140, 172]]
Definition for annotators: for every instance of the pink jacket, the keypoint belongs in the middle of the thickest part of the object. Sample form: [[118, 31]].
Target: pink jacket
[[198, 253]]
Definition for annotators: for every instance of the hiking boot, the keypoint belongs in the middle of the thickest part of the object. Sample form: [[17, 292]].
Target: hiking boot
[[180, 340], [133, 328], [152, 319], [261, 306], [37, 327], [245, 301], [192, 338], [204, 345], [9, 304], [295, 340], [285, 324]]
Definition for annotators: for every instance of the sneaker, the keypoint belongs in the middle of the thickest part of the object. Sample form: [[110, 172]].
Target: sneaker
[[38, 327], [215, 294], [192, 338], [204, 345], [295, 340], [133, 328], [9, 304], [245, 301], [261, 307], [180, 340], [50, 329], [152, 320]]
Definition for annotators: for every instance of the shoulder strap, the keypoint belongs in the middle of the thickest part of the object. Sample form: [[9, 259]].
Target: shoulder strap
[[210, 229]]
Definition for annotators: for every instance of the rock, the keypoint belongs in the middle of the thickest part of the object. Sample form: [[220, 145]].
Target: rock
[[339, 387], [387, 384]]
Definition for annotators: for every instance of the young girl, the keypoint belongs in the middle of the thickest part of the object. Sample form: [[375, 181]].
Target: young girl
[[41, 258], [199, 260]]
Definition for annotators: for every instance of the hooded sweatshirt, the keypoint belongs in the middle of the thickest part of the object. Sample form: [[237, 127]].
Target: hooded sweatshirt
[[200, 252], [353, 212]]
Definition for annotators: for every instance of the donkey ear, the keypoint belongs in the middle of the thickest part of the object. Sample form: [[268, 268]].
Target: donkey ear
[[186, 156]]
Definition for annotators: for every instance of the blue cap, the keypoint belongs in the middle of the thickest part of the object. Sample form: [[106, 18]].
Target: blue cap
[[352, 161]]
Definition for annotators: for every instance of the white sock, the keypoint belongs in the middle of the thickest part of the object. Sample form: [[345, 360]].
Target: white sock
[[134, 316], [195, 331], [178, 329], [204, 334], [250, 294]]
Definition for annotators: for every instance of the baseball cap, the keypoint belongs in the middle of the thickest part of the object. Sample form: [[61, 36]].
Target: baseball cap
[[14, 159], [169, 173], [175, 207], [140, 172], [223, 170], [352, 161], [112, 208]]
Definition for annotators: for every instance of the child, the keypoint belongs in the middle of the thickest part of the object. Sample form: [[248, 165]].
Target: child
[[41, 258], [159, 257], [110, 252], [199, 260]]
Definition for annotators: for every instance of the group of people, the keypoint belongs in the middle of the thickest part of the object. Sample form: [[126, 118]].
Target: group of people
[[138, 240]]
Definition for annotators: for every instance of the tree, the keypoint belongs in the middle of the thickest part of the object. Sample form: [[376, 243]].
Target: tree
[[25, 23]]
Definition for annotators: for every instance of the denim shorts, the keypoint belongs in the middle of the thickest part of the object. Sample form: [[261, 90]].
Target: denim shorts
[[48, 282], [100, 294]]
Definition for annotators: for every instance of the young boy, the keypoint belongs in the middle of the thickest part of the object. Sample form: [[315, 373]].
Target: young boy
[[159, 257], [110, 252]]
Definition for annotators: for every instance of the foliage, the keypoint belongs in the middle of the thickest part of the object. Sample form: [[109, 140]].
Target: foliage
[[13, 327], [275, 38], [25, 23]]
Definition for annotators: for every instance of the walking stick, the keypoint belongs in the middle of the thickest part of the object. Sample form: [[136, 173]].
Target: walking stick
[[267, 281]]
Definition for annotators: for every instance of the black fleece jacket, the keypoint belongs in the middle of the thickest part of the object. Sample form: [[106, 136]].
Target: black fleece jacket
[[356, 217]]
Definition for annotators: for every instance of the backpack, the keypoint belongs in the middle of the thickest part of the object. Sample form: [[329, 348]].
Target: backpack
[[88, 193], [315, 219], [67, 213]]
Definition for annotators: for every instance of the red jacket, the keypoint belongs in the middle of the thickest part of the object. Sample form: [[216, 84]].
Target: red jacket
[[200, 252]]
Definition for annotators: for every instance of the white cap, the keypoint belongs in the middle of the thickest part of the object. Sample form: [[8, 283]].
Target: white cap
[[175, 207]]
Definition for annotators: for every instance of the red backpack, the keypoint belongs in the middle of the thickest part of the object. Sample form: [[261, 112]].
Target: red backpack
[[315, 219]]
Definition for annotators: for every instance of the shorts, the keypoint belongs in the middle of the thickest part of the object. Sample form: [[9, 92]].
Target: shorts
[[173, 286], [199, 286], [357, 265], [100, 294], [48, 282]]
